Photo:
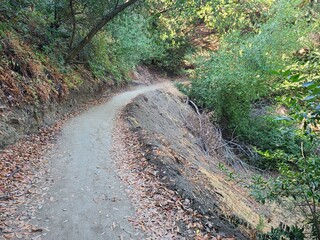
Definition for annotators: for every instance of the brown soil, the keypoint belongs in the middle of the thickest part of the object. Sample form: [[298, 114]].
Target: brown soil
[[157, 119], [170, 153]]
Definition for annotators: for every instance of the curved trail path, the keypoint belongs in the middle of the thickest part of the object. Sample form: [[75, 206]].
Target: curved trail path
[[87, 200]]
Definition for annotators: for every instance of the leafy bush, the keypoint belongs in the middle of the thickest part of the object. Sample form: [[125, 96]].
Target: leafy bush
[[299, 180], [124, 44], [302, 89], [224, 16], [283, 232], [229, 81], [170, 33], [239, 73], [275, 141]]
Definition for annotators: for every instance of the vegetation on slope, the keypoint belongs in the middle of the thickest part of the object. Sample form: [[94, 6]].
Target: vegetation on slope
[[263, 87], [262, 83], [36, 37]]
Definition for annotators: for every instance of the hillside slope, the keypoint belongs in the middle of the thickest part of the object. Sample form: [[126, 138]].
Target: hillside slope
[[161, 122]]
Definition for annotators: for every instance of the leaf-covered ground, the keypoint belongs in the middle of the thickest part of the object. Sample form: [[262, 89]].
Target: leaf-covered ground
[[161, 212], [23, 188], [167, 151], [21, 167]]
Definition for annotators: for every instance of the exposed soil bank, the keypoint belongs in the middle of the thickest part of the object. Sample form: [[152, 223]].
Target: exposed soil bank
[[16, 120], [160, 122], [157, 117]]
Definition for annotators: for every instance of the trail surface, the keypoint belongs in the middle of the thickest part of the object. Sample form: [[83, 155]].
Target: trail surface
[[87, 200]]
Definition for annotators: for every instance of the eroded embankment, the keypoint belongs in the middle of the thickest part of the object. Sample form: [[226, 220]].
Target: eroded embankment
[[159, 123], [26, 105]]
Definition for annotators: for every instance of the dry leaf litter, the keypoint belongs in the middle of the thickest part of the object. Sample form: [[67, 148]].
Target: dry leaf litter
[[23, 187], [160, 212]]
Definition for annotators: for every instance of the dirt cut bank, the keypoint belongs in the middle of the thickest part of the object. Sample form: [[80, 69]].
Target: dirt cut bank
[[223, 209], [20, 114]]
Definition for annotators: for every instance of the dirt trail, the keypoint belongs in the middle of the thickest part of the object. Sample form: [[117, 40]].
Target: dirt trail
[[87, 200]]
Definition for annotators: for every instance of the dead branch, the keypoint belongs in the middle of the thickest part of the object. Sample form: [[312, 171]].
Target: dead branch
[[209, 139], [197, 110]]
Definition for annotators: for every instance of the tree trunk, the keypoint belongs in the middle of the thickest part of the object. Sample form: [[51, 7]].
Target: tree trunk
[[74, 23], [107, 18]]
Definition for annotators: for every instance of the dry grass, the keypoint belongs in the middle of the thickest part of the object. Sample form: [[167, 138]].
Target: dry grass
[[237, 204], [28, 77], [234, 198]]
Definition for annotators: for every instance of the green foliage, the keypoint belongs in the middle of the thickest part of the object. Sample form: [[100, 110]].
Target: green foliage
[[267, 62], [171, 30], [261, 224], [299, 180], [124, 44], [4, 28], [225, 16], [241, 73], [299, 174], [151, 32], [302, 89], [133, 42], [283, 232], [259, 58], [232, 175], [275, 139]]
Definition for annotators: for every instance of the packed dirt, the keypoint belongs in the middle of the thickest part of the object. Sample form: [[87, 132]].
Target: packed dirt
[[26, 176], [86, 199]]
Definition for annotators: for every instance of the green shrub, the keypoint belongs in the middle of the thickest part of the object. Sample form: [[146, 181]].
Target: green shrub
[[224, 16], [124, 44], [229, 81], [275, 141], [283, 232], [239, 72], [298, 180], [301, 89], [171, 31]]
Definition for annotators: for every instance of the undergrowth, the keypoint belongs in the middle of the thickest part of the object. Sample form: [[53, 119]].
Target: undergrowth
[[276, 63], [241, 73], [33, 46]]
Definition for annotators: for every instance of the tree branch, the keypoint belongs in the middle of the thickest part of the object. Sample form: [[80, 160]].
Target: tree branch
[[100, 24], [74, 23]]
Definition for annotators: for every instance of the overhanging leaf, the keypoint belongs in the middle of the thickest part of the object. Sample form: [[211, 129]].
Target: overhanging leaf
[[308, 84], [308, 98]]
